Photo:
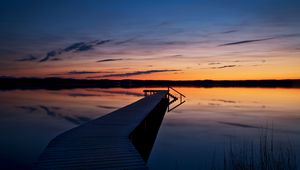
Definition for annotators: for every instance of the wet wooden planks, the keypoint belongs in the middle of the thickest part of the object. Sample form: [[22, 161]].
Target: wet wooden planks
[[102, 143]]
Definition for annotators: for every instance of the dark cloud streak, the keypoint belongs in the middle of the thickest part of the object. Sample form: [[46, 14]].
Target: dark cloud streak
[[230, 31], [226, 66], [214, 63], [84, 47], [27, 58], [76, 47], [50, 55], [245, 42], [109, 60], [135, 73], [82, 73], [73, 46]]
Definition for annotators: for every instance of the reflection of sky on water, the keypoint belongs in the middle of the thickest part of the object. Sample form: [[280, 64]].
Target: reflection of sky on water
[[189, 137], [30, 119], [199, 130]]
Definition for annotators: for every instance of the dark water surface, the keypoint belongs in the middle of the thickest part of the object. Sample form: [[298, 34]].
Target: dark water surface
[[193, 136]]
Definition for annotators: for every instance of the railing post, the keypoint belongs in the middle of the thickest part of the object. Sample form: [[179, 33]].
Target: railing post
[[168, 97]]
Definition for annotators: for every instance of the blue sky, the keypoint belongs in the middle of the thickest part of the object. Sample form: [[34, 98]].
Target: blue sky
[[189, 30]]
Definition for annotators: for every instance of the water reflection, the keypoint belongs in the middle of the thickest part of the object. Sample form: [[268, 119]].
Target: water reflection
[[30, 119], [189, 137], [195, 134]]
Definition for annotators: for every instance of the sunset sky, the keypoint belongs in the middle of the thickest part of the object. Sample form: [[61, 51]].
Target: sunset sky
[[155, 39]]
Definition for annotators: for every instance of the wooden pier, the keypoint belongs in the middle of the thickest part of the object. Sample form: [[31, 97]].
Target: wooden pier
[[114, 141]]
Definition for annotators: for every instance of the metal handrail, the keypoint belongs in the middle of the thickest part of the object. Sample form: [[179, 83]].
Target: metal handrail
[[169, 87], [175, 98]]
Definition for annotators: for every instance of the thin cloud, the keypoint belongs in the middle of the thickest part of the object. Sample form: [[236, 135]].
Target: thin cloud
[[82, 73], [27, 58], [109, 60], [103, 42], [125, 41], [292, 35], [225, 101], [176, 56], [44, 59], [249, 61], [214, 63], [163, 42], [84, 47], [75, 47], [245, 42], [56, 59], [230, 31], [50, 55], [226, 66], [135, 73]]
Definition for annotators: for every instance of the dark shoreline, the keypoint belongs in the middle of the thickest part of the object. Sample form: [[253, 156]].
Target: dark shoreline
[[53, 83]]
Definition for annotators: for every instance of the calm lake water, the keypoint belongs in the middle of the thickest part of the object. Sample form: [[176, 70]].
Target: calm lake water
[[193, 136]]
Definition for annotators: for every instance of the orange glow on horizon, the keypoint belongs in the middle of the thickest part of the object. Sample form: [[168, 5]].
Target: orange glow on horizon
[[281, 65]]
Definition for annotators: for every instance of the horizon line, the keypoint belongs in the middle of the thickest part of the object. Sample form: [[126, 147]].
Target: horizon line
[[64, 78]]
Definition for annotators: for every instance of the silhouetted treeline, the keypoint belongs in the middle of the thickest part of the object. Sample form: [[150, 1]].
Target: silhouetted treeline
[[7, 83]]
